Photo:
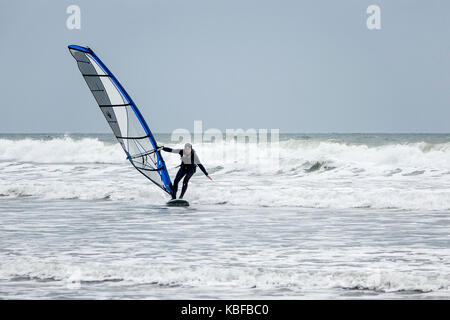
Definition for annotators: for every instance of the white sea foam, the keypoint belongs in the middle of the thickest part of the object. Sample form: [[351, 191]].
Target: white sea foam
[[206, 278], [322, 174], [59, 150], [334, 219]]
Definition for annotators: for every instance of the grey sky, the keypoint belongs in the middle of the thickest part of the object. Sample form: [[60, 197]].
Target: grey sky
[[300, 66]]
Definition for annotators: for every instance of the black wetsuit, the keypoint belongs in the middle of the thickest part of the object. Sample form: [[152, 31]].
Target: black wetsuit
[[186, 170]]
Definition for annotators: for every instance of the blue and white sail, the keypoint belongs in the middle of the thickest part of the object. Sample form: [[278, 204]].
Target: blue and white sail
[[123, 117]]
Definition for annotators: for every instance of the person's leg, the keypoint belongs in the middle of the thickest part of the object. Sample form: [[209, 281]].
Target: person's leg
[[189, 174], [181, 172]]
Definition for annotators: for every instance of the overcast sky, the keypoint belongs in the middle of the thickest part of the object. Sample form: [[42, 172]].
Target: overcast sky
[[299, 66]]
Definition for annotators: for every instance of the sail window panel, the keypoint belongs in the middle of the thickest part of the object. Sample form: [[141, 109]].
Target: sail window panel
[[135, 128], [97, 68], [98, 90], [153, 176], [110, 116], [86, 67], [114, 94], [122, 121], [138, 147], [80, 56]]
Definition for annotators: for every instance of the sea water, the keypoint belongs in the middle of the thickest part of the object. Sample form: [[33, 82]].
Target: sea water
[[339, 216]]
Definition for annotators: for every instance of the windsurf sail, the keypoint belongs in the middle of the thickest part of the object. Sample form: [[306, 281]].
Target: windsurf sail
[[123, 117]]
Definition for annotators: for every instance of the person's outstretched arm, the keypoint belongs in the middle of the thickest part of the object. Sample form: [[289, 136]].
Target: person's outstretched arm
[[167, 149], [197, 162]]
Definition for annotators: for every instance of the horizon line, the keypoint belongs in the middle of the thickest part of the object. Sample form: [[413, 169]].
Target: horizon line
[[316, 132]]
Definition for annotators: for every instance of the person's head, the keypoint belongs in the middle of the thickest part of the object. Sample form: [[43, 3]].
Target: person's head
[[187, 148]]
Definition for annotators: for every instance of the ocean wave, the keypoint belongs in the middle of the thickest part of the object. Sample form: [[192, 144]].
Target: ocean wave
[[204, 194], [306, 173], [92, 150], [60, 150], [291, 279]]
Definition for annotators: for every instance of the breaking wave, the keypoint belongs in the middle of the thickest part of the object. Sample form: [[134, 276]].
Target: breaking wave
[[303, 173]]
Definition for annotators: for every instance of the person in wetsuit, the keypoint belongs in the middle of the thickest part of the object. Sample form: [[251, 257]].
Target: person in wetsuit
[[189, 162]]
